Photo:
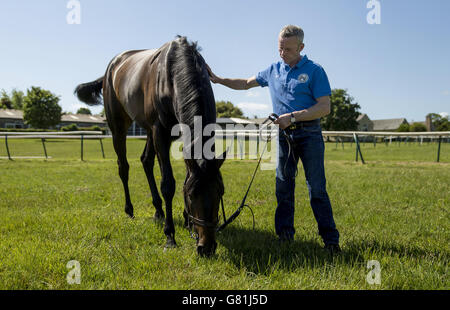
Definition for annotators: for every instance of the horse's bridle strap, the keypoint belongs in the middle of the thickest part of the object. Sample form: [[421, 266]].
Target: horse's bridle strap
[[204, 223]]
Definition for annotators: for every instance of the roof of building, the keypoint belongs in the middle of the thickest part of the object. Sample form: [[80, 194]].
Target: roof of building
[[12, 114], [361, 116], [259, 120], [82, 118], [73, 118], [388, 124], [232, 120]]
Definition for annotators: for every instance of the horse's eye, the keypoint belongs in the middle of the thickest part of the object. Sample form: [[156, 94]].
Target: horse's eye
[[192, 195]]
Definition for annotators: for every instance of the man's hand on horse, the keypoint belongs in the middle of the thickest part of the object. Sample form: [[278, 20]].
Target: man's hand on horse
[[212, 76]]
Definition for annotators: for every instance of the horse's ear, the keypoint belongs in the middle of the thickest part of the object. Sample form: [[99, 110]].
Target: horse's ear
[[221, 159], [191, 166], [202, 164]]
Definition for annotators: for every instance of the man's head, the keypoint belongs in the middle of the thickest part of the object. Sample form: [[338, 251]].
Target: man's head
[[290, 44]]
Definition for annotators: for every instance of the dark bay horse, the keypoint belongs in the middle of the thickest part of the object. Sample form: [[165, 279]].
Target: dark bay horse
[[159, 89]]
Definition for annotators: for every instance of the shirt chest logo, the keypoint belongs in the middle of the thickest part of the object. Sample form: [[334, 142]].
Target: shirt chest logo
[[303, 78]]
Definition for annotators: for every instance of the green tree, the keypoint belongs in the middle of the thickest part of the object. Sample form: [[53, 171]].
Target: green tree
[[343, 114], [5, 100], [227, 109], [17, 99], [84, 111], [13, 101], [444, 126], [415, 127], [403, 127], [439, 122], [41, 108]]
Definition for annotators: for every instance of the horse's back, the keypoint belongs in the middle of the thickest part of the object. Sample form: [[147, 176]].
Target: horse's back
[[126, 71]]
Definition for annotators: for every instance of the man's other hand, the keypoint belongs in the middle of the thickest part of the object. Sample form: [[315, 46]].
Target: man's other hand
[[212, 76], [283, 121]]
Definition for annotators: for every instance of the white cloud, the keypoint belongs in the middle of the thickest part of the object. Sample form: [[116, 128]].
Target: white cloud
[[73, 107], [443, 114], [252, 106], [252, 94], [251, 109]]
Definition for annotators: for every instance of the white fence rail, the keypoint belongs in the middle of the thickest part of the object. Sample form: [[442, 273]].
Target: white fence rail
[[241, 135]]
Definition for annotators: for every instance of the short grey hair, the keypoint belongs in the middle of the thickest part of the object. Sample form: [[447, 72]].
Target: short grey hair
[[292, 31]]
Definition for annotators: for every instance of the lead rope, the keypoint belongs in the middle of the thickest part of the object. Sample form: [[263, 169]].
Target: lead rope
[[272, 117], [289, 142]]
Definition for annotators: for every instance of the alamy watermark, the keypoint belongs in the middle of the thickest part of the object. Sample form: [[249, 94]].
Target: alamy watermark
[[74, 275], [374, 275], [211, 141], [374, 15], [73, 17]]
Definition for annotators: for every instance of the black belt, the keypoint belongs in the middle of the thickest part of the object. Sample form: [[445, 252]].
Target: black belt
[[298, 125]]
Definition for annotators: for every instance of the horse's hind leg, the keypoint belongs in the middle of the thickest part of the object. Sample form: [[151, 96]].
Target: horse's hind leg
[[119, 122], [120, 146], [148, 161]]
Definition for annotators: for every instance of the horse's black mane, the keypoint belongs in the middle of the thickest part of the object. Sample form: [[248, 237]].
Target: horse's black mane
[[194, 94]]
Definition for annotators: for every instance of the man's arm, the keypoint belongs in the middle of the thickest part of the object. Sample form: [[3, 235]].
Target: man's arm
[[320, 109], [238, 84]]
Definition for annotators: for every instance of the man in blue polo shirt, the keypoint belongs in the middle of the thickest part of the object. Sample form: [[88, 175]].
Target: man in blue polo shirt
[[300, 93]]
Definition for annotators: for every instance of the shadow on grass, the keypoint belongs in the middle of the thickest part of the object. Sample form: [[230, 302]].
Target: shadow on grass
[[261, 253], [379, 248]]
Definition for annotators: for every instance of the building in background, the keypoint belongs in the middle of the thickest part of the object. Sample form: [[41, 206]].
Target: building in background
[[82, 120], [364, 123], [388, 124], [12, 119]]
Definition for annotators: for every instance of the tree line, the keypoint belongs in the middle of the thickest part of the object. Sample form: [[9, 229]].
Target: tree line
[[344, 114], [41, 109]]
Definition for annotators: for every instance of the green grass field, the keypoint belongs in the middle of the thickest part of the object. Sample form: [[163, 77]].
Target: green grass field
[[394, 209]]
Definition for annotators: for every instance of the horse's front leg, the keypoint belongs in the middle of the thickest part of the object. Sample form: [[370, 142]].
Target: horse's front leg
[[162, 146]]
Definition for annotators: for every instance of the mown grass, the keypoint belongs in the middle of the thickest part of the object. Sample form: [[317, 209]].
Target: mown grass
[[394, 209]]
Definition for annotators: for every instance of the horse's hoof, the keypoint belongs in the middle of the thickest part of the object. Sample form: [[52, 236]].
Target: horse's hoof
[[129, 211], [170, 245]]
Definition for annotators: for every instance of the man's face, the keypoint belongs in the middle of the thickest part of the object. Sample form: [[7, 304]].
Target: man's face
[[289, 49]]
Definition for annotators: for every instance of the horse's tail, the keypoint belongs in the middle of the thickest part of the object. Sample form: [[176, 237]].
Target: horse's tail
[[90, 93]]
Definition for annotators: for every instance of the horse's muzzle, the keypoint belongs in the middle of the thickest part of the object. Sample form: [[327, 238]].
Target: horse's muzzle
[[207, 250]]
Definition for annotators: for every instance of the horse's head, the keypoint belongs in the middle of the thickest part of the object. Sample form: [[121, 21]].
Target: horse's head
[[203, 190]]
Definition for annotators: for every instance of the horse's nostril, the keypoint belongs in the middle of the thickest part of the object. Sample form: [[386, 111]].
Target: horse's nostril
[[207, 251]]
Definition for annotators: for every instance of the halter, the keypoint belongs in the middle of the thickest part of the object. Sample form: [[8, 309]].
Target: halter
[[201, 222]]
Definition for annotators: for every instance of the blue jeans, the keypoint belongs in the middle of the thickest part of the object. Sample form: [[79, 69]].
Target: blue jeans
[[309, 147]]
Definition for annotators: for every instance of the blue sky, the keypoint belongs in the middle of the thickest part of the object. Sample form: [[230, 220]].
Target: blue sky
[[399, 68]]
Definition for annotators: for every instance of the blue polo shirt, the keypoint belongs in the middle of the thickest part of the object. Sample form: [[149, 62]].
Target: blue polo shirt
[[296, 88]]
